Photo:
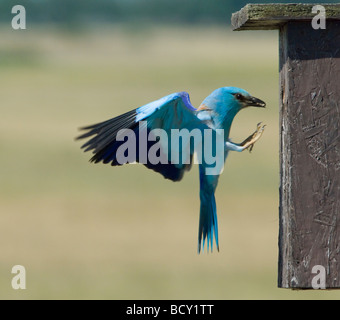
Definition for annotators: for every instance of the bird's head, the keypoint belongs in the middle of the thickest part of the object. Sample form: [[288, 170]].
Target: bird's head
[[231, 98], [226, 102]]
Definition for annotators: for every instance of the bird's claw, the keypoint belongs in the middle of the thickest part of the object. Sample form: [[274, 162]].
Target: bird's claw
[[250, 141]]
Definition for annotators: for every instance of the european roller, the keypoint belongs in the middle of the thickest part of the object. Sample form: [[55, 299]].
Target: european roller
[[150, 130]]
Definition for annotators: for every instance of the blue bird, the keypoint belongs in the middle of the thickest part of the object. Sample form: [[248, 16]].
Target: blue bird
[[174, 113]]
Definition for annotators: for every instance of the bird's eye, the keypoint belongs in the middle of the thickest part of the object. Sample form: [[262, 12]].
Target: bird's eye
[[238, 96]]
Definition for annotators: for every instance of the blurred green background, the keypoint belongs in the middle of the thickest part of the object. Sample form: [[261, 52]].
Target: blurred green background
[[86, 231]]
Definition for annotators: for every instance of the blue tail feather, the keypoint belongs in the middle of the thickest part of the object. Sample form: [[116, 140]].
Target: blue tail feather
[[208, 228]]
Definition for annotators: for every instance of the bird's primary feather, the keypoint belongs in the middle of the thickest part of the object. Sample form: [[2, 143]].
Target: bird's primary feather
[[171, 112]]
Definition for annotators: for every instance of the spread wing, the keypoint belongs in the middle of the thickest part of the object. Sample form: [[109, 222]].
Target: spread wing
[[135, 136]]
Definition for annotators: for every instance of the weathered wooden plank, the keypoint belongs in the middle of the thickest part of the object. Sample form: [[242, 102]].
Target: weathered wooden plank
[[310, 154], [273, 16]]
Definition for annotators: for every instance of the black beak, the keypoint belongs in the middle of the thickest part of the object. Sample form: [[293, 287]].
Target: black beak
[[255, 102]]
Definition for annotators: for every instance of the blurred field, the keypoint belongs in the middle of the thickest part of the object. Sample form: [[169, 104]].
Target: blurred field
[[87, 231]]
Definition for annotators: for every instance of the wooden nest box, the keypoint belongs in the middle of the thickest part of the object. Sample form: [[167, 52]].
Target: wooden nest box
[[309, 49]]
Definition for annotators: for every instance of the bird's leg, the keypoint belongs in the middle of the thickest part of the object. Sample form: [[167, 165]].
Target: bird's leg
[[250, 141]]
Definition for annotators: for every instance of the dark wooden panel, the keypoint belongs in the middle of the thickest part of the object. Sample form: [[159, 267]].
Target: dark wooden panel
[[310, 154]]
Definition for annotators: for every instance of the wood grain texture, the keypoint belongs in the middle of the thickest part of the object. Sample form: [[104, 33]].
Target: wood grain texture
[[310, 154], [274, 16]]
